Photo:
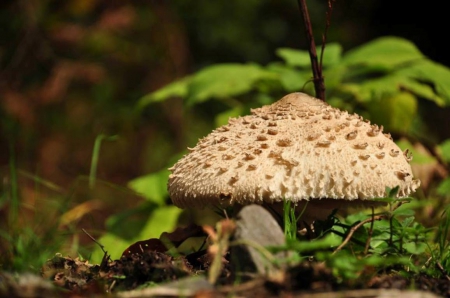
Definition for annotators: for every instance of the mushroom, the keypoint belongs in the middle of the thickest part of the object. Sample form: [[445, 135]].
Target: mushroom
[[299, 149]]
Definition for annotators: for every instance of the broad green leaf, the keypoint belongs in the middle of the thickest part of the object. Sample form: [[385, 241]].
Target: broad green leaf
[[161, 220], [434, 74], [422, 90], [114, 246], [175, 89], [299, 58], [391, 84], [334, 76], [125, 223], [294, 57], [223, 117], [386, 52], [332, 55], [415, 248], [153, 187], [403, 212], [444, 150], [225, 80], [394, 112], [293, 79]]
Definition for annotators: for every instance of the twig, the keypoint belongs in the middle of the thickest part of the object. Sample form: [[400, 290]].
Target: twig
[[442, 270], [327, 26], [319, 84], [354, 228], [106, 257], [95, 240], [366, 248]]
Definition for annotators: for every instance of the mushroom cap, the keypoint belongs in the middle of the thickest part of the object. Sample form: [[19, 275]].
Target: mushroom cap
[[296, 149]]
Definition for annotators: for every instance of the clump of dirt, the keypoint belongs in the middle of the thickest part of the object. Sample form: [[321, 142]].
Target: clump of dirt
[[127, 273]]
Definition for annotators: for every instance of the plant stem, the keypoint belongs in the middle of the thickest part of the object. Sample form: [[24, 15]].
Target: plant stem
[[14, 187], [319, 85], [95, 157]]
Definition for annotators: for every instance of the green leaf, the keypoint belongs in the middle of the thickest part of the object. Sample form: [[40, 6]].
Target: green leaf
[[153, 187], [299, 58], [395, 112], [421, 90], [294, 57], [293, 79], [114, 245], [225, 80], [444, 150], [176, 89], [403, 212], [161, 220], [434, 74], [329, 241], [332, 55], [415, 248], [386, 52]]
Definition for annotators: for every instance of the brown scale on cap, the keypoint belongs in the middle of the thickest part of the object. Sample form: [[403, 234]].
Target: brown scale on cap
[[308, 150]]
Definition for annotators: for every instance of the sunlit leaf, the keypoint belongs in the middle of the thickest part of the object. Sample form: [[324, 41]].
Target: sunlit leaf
[[299, 58], [175, 89], [437, 76], [113, 244], [293, 79], [294, 57], [332, 54], [444, 150], [385, 52], [161, 220], [152, 187], [395, 112], [415, 248], [225, 80]]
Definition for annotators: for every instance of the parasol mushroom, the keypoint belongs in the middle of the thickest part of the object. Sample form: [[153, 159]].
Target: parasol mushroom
[[299, 149]]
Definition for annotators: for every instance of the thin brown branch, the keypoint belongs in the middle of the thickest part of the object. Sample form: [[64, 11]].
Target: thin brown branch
[[327, 26], [319, 84], [356, 227]]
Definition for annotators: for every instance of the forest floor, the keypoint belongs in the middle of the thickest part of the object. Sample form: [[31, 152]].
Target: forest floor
[[151, 274]]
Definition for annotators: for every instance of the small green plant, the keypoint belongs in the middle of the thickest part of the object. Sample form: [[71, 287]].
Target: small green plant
[[291, 219]]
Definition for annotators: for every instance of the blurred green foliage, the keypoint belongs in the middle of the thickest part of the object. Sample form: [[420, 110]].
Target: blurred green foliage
[[383, 79]]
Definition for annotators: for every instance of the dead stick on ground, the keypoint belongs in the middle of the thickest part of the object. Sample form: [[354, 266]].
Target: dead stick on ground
[[354, 228]]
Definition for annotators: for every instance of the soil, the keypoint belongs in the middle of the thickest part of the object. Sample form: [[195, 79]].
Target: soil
[[76, 278]]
